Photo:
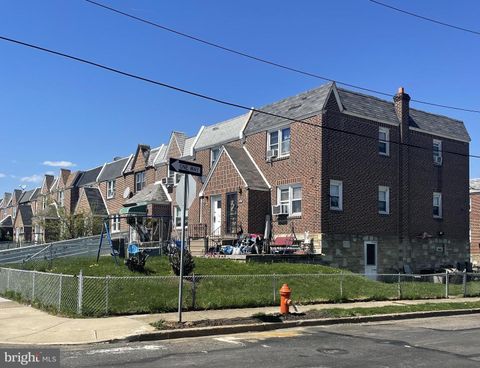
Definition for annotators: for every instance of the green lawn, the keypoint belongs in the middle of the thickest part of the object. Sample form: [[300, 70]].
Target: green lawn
[[252, 285], [159, 266]]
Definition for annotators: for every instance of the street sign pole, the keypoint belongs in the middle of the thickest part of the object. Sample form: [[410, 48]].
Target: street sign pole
[[187, 168], [180, 285]]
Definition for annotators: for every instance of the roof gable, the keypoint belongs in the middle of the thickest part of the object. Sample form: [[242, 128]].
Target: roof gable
[[300, 106], [244, 165]]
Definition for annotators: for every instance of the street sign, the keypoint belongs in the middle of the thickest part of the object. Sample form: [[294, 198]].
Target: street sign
[[185, 167], [191, 191]]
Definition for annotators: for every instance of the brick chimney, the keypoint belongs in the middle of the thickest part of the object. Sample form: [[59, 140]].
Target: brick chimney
[[64, 174], [402, 109]]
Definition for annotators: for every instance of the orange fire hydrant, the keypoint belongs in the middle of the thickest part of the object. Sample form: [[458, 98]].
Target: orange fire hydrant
[[285, 301]]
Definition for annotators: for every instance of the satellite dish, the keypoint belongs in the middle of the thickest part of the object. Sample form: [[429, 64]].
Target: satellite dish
[[126, 193]]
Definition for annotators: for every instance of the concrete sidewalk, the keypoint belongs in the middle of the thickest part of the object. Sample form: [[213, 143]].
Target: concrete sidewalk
[[22, 324]]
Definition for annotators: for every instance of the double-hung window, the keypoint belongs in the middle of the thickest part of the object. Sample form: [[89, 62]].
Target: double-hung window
[[437, 152], [139, 181], [61, 198], [215, 152], [178, 217], [290, 199], [110, 189], [174, 175], [437, 205], [279, 142], [115, 223], [336, 195], [383, 200], [384, 141]]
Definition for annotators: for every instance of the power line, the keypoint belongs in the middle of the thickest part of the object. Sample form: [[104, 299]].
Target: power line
[[425, 18], [270, 62], [206, 97]]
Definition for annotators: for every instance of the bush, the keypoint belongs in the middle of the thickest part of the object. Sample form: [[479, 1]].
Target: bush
[[188, 262]]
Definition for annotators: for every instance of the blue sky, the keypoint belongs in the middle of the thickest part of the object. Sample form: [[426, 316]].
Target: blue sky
[[54, 110]]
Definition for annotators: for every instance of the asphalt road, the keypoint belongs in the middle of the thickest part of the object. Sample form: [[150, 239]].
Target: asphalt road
[[432, 342]]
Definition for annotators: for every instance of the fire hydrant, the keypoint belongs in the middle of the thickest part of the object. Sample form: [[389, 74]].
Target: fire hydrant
[[285, 301]]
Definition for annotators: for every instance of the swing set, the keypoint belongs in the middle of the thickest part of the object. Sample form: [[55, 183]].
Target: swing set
[[141, 230]]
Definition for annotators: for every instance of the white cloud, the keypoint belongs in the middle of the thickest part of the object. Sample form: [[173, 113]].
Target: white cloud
[[59, 163], [2, 175], [32, 179], [50, 173]]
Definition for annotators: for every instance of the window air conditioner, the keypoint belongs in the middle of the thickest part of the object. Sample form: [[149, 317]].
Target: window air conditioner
[[280, 209]]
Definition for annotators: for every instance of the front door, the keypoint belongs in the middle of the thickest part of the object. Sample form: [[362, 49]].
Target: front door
[[217, 215], [371, 259]]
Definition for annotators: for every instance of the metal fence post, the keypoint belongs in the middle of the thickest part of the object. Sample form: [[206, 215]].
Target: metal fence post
[[194, 290], [60, 292], [80, 292], [464, 283], [341, 286], [399, 286], [107, 285], [274, 284], [33, 285], [446, 284]]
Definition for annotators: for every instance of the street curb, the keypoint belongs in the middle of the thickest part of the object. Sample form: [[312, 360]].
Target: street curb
[[233, 329]]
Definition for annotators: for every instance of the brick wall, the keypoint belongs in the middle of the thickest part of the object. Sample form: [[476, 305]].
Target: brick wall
[[475, 227]]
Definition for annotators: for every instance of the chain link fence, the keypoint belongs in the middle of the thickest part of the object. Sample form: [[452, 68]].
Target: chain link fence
[[99, 296]]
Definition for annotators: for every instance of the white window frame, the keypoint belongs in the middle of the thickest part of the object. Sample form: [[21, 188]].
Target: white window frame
[[111, 188], [440, 210], [386, 190], [61, 198], [280, 142], [212, 155], [175, 175], [136, 181], [338, 183], [385, 131], [115, 225], [14, 212], [290, 200], [178, 215], [437, 153]]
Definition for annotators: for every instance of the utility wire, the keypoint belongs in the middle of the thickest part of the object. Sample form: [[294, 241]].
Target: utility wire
[[206, 97], [272, 63], [425, 18]]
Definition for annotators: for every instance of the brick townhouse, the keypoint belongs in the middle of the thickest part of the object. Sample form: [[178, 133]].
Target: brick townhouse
[[475, 221], [366, 202], [6, 217], [22, 225]]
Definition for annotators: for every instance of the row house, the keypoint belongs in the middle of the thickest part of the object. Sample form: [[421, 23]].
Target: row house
[[475, 221], [6, 218], [374, 185]]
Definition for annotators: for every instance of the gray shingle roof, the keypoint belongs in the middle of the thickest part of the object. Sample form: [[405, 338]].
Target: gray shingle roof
[[247, 168], [113, 170], [7, 197], [438, 124], [161, 155], [368, 106], [152, 193], [187, 148], [26, 196], [310, 102], [6, 222], [153, 154], [95, 201], [475, 184], [89, 177], [221, 133], [26, 213], [295, 107]]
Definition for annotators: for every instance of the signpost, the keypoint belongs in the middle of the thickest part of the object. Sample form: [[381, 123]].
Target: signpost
[[187, 168]]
